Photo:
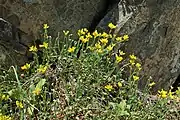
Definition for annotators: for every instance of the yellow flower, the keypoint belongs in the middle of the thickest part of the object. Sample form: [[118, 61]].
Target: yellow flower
[[46, 26], [111, 26], [170, 94], [26, 66], [81, 32], [96, 34], [178, 91], [42, 69], [132, 62], [37, 91], [119, 84], [98, 46], [135, 78], [104, 41], [45, 45], [88, 35], [162, 93], [65, 32], [109, 87], [85, 30], [19, 104], [72, 49], [118, 58], [4, 117], [4, 97], [84, 40], [99, 51], [119, 39], [105, 35], [125, 37], [152, 84], [110, 47], [138, 65], [121, 52], [133, 57], [33, 49]]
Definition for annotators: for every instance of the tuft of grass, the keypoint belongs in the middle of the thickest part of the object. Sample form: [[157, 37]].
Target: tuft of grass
[[81, 79]]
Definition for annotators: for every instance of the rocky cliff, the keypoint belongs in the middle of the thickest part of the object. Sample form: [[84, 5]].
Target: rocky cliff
[[153, 26]]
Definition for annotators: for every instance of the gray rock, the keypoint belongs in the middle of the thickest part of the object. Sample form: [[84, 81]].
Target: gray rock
[[13, 45], [154, 30]]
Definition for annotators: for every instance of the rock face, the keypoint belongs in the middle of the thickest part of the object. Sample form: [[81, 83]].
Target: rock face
[[154, 31], [29, 15], [13, 44], [153, 26]]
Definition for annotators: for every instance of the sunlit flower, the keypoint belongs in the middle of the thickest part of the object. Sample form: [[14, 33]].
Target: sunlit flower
[[138, 65], [72, 49], [110, 47], [104, 41], [96, 34], [42, 69], [85, 30], [119, 84], [84, 40], [5, 117], [111, 26], [99, 51], [33, 49], [132, 62], [44, 45], [171, 94], [81, 32], [125, 37], [109, 87], [152, 84], [105, 35], [98, 46], [65, 32], [88, 35], [121, 52], [26, 66], [119, 39], [37, 91], [135, 78], [4, 97], [46, 26], [118, 58], [162, 93], [133, 57], [19, 104]]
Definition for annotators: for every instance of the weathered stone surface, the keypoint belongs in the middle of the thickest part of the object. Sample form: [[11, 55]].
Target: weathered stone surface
[[29, 15], [154, 37], [13, 44]]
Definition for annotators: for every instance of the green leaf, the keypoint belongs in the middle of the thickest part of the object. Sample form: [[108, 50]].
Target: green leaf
[[41, 83]]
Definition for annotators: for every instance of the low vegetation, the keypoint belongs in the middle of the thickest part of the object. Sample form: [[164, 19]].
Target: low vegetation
[[83, 79]]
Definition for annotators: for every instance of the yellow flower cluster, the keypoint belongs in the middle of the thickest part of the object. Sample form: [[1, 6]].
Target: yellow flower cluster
[[109, 87], [5, 117], [71, 49], [4, 97], [169, 94], [44, 45], [42, 69], [25, 67], [123, 38], [33, 49], [19, 104], [37, 91]]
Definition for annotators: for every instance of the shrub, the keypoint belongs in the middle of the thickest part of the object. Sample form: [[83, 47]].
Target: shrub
[[87, 78]]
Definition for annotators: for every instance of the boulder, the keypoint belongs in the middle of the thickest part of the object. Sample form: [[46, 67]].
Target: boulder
[[13, 45], [154, 29], [30, 15]]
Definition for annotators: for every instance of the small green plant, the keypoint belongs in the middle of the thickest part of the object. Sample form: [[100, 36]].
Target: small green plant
[[85, 78]]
